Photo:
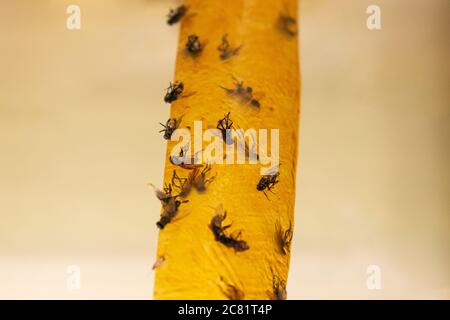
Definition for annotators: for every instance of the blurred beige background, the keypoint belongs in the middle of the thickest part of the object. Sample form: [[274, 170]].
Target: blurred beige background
[[79, 113]]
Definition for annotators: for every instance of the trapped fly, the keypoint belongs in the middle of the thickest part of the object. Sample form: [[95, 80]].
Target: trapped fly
[[244, 94], [183, 184], [183, 161], [231, 241], [226, 51], [284, 237], [173, 91], [175, 15], [278, 289], [287, 24], [200, 179], [268, 182], [169, 128], [193, 45], [231, 291], [225, 125], [170, 205]]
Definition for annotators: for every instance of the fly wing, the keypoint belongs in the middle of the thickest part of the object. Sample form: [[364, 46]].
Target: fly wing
[[160, 194], [274, 171], [250, 148]]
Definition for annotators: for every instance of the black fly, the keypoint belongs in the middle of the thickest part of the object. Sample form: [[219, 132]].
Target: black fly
[[268, 182], [225, 51], [175, 15], [171, 125], [193, 45], [218, 230], [173, 91]]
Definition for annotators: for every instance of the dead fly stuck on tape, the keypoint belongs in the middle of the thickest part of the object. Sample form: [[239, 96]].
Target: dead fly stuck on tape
[[284, 237], [183, 161], [163, 195], [182, 184], [287, 25], [175, 15], [200, 178], [170, 205], [225, 50], [171, 125], [196, 178], [225, 125], [278, 289], [268, 182], [193, 45], [232, 292], [231, 241], [244, 94], [173, 91]]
